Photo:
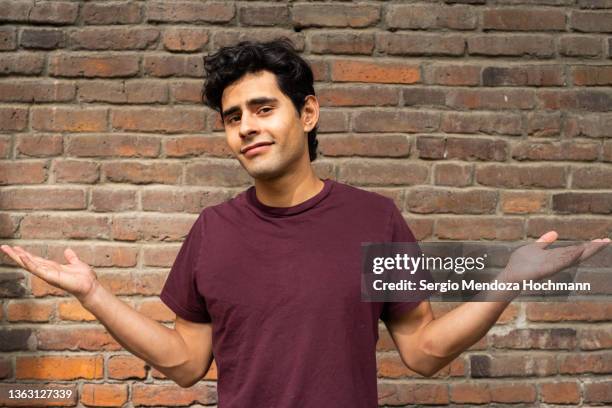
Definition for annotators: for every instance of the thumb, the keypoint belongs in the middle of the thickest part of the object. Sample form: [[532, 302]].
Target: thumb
[[71, 256], [547, 239]]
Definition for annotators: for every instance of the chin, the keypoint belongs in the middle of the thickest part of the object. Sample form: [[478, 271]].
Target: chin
[[264, 171]]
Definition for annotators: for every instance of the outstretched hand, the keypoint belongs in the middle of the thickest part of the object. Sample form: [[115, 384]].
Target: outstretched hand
[[533, 261], [76, 277]]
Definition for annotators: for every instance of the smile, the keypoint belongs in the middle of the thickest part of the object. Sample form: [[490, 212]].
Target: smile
[[256, 149]]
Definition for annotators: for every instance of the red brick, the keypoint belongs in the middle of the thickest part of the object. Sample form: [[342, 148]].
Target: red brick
[[113, 200], [142, 173], [160, 256], [533, 338], [123, 367], [61, 119], [593, 100], [453, 174], [515, 176], [113, 145], [189, 12], [591, 203], [30, 310], [591, 363], [335, 15], [567, 150], [607, 151], [580, 46], [62, 227], [148, 284], [39, 198], [164, 200], [595, 338], [570, 228], [342, 43], [94, 65], [161, 394], [479, 392], [104, 395], [185, 39], [422, 17], [598, 391], [513, 365], [5, 146], [490, 99], [390, 365], [527, 75], [519, 202], [575, 311], [173, 65], [395, 121], [560, 392], [476, 228], [6, 368], [420, 44], [592, 75], [508, 19], [175, 120], [23, 172], [412, 393], [8, 38], [8, 226], [588, 125], [110, 13], [475, 149], [451, 74], [374, 172], [58, 367], [592, 177], [377, 72], [135, 91], [233, 36], [424, 97], [21, 64], [54, 12], [42, 38], [544, 124], [107, 255], [73, 309], [189, 91], [365, 145]]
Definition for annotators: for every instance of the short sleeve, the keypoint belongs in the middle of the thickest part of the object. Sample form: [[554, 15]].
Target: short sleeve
[[400, 232], [180, 292]]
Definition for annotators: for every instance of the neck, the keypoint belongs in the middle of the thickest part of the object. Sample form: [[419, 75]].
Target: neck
[[288, 190]]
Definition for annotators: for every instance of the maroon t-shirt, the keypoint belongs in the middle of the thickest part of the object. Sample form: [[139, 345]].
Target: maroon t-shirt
[[281, 287]]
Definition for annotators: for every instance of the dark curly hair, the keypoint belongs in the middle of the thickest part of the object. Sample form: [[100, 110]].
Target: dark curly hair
[[293, 74]]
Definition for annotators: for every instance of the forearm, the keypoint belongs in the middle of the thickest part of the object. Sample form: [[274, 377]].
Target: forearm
[[158, 345]]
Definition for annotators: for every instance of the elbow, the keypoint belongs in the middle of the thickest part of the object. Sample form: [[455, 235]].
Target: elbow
[[186, 383]]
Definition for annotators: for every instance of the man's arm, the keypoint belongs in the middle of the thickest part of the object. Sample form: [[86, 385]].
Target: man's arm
[[183, 354]]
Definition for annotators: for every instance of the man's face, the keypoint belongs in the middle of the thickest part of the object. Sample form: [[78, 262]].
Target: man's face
[[257, 113]]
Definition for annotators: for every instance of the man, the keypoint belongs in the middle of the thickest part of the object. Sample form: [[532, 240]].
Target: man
[[269, 281]]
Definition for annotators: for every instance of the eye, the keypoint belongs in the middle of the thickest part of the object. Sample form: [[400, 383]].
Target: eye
[[232, 119], [265, 109]]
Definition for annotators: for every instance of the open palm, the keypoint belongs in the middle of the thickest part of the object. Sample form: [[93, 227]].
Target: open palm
[[76, 277]]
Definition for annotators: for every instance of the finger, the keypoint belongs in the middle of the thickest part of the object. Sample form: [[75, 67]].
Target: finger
[[72, 257], [547, 239], [561, 258], [42, 271], [20, 250], [593, 247], [13, 255]]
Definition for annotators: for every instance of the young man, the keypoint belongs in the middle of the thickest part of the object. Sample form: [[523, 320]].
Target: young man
[[269, 282]]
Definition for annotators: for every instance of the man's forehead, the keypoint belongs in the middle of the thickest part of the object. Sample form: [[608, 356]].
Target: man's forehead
[[252, 85]]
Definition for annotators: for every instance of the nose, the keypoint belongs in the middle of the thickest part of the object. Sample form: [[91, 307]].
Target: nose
[[248, 125]]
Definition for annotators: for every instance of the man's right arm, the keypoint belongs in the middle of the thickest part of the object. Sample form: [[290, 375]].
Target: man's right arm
[[183, 354]]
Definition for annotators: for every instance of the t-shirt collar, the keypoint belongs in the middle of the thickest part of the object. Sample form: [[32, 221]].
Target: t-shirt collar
[[286, 211]]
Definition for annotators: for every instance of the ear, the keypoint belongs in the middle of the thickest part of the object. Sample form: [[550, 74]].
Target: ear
[[310, 113]]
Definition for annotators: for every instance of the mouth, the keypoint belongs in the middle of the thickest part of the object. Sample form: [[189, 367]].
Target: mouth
[[254, 145]]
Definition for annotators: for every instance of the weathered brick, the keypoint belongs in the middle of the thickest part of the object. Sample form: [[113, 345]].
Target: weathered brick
[[593, 100], [422, 17], [23, 172], [173, 65], [528, 75], [53, 12], [75, 171], [595, 338], [475, 228], [580, 46], [167, 120], [450, 74], [113, 200], [569, 228], [75, 226], [216, 172], [5, 146], [8, 38], [184, 201], [453, 174], [104, 395], [14, 339], [365, 145], [335, 15], [598, 391], [541, 124], [591, 363], [581, 151], [586, 75], [590, 203], [6, 369], [412, 393], [13, 119], [377, 72], [185, 39], [189, 91], [135, 91], [532, 338], [356, 95], [11, 283], [589, 177], [588, 125], [431, 147], [64, 119], [162, 394], [395, 121], [8, 226], [112, 145], [342, 43], [481, 393], [189, 12], [75, 338], [591, 21], [420, 44], [42, 38], [517, 176], [21, 64], [490, 99], [73, 309], [423, 97], [110, 13], [123, 367], [374, 172], [141, 172], [480, 122], [38, 90], [474, 201], [39, 198], [513, 365], [167, 228], [566, 392], [160, 255], [222, 38], [58, 367], [94, 65], [39, 145], [508, 19], [264, 15], [511, 45], [114, 38], [30, 310], [185, 146]]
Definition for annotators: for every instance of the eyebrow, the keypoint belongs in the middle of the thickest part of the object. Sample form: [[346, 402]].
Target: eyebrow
[[251, 102]]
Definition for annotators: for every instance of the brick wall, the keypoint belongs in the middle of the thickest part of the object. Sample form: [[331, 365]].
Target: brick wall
[[482, 119]]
